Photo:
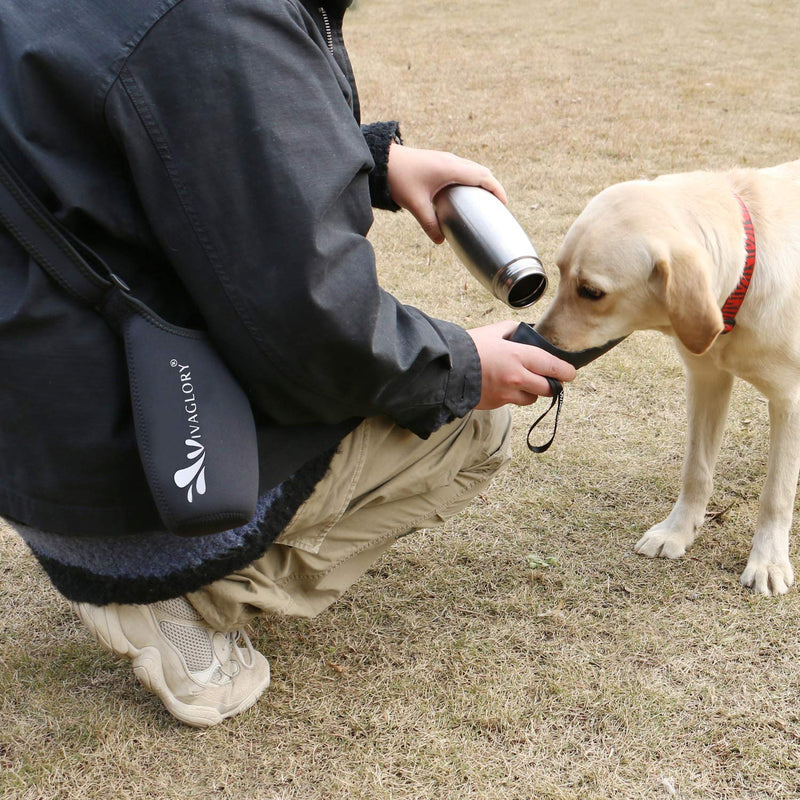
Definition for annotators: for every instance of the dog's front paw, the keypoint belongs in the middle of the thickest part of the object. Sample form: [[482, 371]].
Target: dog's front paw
[[767, 578], [663, 542]]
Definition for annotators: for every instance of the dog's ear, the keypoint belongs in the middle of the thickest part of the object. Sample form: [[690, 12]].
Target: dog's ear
[[683, 281]]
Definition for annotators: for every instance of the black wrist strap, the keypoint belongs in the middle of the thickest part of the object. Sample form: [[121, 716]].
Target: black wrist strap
[[557, 389]]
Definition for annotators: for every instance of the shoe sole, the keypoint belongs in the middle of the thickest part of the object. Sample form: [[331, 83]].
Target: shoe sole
[[148, 669], [149, 672]]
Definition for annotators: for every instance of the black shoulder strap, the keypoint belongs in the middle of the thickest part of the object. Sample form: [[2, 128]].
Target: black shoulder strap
[[64, 258]]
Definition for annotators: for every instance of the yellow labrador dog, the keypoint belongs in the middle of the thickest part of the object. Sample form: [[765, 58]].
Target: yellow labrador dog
[[669, 255]]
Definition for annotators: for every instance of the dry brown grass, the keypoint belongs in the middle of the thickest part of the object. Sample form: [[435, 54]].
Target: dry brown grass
[[454, 670]]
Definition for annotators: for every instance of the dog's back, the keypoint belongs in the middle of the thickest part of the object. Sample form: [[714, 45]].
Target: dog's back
[[790, 170]]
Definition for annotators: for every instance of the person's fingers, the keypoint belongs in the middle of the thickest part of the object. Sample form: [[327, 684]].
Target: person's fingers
[[425, 215], [527, 384], [545, 364], [490, 183], [523, 399], [512, 372], [474, 174], [504, 328]]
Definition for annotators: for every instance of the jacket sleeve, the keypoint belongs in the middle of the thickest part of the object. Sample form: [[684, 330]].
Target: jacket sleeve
[[237, 124], [379, 137]]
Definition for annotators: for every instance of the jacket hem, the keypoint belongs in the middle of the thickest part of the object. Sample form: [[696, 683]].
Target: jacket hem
[[81, 584]]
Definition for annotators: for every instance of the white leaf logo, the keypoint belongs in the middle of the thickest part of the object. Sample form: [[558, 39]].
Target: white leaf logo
[[193, 476]]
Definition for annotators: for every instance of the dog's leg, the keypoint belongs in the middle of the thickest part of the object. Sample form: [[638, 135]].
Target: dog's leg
[[708, 391], [768, 569]]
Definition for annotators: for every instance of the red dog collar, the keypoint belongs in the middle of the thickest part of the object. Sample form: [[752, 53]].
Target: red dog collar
[[737, 295]]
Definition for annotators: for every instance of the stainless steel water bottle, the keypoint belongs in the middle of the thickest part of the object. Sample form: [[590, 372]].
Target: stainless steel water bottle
[[491, 243]]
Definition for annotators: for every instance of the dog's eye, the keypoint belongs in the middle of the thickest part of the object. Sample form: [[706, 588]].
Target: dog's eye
[[590, 292]]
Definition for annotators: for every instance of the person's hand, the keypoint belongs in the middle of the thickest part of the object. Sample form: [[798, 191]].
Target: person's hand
[[513, 372], [415, 176]]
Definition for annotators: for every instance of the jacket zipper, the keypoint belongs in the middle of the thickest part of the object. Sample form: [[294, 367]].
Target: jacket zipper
[[342, 60], [328, 32]]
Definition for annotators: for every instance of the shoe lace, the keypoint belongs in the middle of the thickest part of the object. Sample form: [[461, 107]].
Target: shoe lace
[[238, 636], [240, 651]]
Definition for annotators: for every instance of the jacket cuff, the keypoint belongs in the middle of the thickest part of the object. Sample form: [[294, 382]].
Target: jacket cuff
[[463, 390], [379, 137]]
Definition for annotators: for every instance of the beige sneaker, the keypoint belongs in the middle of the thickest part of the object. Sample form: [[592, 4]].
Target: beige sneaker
[[201, 675]]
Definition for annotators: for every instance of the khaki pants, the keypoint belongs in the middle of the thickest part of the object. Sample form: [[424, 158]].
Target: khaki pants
[[383, 482]]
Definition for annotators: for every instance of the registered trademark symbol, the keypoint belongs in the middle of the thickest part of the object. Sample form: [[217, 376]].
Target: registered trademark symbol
[[173, 362]]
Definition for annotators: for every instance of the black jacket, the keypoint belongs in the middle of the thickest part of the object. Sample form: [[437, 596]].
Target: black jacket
[[210, 151]]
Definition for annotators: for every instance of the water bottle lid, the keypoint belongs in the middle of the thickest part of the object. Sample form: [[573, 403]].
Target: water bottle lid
[[521, 283]]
